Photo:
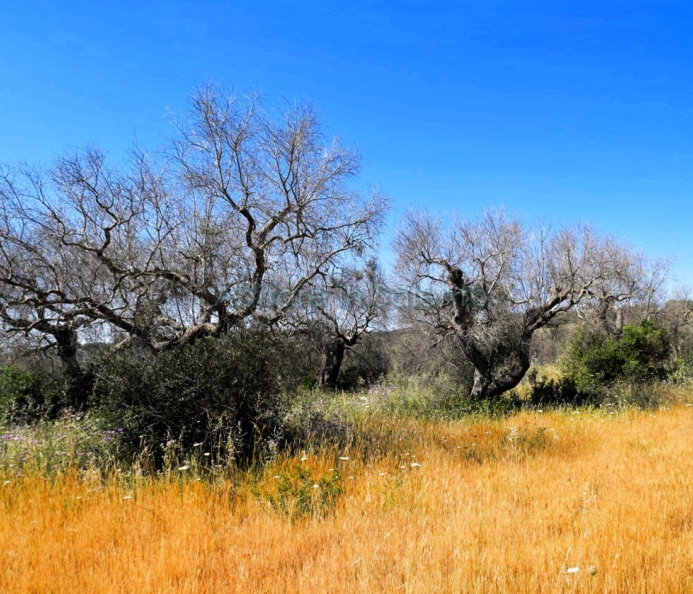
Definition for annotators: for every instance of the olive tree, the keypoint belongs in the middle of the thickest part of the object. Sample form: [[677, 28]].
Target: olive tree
[[347, 303], [244, 198], [355, 303], [493, 282], [291, 212], [38, 298]]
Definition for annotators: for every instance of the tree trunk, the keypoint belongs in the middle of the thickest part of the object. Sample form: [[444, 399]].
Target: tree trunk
[[495, 374], [80, 382], [608, 308], [334, 356], [618, 330], [480, 386], [491, 385], [488, 387]]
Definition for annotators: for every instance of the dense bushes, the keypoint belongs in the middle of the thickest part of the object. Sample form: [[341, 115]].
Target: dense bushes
[[640, 354], [594, 363], [223, 393], [239, 395], [27, 396], [366, 363]]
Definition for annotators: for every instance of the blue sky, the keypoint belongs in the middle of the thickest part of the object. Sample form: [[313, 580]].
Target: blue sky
[[570, 111]]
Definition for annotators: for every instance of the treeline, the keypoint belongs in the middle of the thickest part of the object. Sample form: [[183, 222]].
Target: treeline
[[185, 292]]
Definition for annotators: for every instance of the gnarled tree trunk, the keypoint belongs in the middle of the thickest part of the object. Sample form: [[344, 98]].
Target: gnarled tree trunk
[[334, 356], [496, 380], [80, 381]]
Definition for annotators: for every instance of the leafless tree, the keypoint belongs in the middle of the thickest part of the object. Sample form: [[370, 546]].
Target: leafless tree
[[675, 315], [244, 199], [349, 302], [36, 297], [492, 282], [285, 194], [633, 281]]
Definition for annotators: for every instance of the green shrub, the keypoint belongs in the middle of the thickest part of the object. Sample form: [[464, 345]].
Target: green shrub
[[640, 354], [27, 396], [594, 364], [563, 391], [223, 393], [681, 369], [297, 494], [365, 364]]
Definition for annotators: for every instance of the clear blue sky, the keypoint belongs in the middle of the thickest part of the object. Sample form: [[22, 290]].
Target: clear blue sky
[[571, 111]]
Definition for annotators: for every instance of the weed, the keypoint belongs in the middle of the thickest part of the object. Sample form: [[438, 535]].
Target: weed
[[297, 494]]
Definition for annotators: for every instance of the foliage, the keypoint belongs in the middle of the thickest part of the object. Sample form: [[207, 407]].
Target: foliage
[[297, 494], [561, 391], [597, 369], [639, 355], [71, 441], [224, 393], [27, 396], [366, 363]]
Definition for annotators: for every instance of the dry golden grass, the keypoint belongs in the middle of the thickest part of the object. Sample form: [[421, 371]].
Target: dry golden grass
[[496, 506]]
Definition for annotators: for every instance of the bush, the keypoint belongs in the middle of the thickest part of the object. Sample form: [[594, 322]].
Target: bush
[[365, 364], [594, 364], [223, 393], [640, 354], [560, 391], [27, 396]]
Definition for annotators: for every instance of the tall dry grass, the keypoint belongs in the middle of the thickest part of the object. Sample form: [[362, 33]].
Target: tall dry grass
[[511, 505]]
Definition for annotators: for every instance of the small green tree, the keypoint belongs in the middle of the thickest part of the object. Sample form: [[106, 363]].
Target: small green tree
[[639, 355]]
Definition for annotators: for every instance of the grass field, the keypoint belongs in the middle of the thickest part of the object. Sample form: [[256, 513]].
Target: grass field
[[512, 505]]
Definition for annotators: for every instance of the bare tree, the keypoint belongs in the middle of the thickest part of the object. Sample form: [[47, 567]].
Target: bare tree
[[492, 283], [74, 243], [285, 194], [675, 315], [37, 299], [350, 302], [333, 311], [632, 281], [153, 251]]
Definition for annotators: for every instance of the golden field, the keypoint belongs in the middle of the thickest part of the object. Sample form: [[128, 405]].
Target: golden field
[[508, 505]]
